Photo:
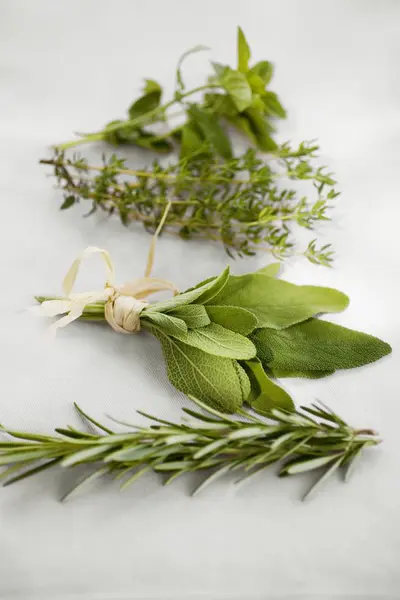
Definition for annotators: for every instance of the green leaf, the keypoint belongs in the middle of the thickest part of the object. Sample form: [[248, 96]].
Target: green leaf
[[316, 345], [261, 129], [302, 465], [277, 303], [191, 141], [243, 51], [168, 324], [194, 315], [211, 129], [271, 270], [68, 202], [145, 104], [238, 88], [211, 287], [151, 86], [241, 122], [212, 379], [272, 105], [179, 80], [264, 70], [148, 140], [265, 393], [218, 341], [234, 318], [302, 374]]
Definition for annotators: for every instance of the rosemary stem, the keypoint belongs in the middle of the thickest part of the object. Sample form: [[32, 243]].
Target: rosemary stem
[[146, 118]]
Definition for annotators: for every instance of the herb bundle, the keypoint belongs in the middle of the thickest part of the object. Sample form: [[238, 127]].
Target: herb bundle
[[304, 440], [239, 203], [227, 339]]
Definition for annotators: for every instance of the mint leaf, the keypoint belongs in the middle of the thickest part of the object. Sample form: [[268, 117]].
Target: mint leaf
[[265, 394], [194, 315], [214, 380], [261, 129], [145, 104], [316, 345], [243, 51], [211, 286], [191, 141], [277, 303], [218, 341], [238, 88], [234, 318]]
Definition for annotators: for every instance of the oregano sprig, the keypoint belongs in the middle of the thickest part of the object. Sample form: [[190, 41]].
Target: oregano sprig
[[238, 96], [304, 440]]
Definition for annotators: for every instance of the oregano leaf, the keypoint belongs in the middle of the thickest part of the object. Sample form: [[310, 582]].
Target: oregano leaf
[[243, 51], [316, 345], [238, 88]]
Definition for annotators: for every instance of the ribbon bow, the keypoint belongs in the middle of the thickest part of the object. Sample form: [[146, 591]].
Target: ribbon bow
[[123, 304]]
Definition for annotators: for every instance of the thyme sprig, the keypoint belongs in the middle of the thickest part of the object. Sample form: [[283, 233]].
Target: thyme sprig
[[240, 203], [305, 440]]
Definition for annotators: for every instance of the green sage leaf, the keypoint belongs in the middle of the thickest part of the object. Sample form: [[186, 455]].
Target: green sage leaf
[[234, 318], [243, 51], [271, 270], [277, 303], [265, 393], [168, 324], [210, 287], [211, 129], [212, 379], [238, 88], [218, 341], [194, 315], [316, 345]]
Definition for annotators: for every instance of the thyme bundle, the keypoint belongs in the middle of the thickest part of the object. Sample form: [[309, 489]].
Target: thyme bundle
[[239, 203]]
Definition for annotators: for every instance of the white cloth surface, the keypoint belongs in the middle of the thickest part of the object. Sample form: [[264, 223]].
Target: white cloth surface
[[71, 66]]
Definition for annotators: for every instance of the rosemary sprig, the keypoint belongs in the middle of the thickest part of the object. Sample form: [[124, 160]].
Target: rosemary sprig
[[239, 203], [305, 440]]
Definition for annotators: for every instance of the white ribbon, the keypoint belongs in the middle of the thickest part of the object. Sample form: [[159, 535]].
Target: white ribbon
[[123, 304]]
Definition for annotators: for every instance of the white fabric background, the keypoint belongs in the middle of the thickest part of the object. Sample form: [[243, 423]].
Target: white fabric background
[[67, 66]]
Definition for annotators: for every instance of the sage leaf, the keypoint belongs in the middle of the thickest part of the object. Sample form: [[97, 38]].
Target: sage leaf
[[211, 286], [243, 51], [265, 394], [212, 379], [271, 270], [277, 303], [194, 315], [302, 374], [316, 345], [238, 88], [211, 129], [167, 323], [234, 318], [219, 341]]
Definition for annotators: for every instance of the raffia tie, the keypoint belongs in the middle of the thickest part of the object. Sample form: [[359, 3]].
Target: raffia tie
[[123, 304]]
